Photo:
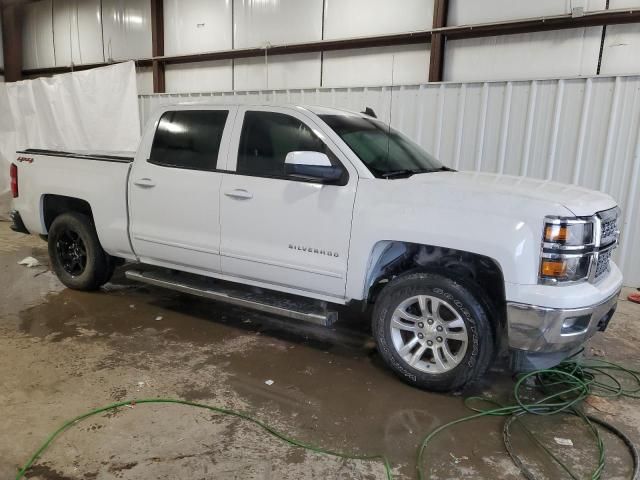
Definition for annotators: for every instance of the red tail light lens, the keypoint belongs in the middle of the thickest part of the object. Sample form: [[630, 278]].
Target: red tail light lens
[[14, 180]]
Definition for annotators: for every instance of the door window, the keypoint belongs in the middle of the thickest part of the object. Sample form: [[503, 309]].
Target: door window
[[189, 139], [267, 138]]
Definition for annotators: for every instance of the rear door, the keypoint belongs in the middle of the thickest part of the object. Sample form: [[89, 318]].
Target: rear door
[[276, 228], [174, 193]]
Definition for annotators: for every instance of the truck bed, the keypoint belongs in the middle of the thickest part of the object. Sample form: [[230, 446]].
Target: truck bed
[[99, 178]]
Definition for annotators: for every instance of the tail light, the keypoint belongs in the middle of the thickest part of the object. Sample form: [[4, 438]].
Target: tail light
[[14, 180]]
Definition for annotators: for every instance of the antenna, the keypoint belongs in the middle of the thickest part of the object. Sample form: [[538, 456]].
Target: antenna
[[266, 64], [393, 64]]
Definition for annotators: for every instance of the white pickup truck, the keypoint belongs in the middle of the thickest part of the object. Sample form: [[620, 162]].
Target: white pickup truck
[[294, 209]]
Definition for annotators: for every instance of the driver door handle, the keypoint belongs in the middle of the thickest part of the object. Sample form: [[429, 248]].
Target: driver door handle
[[144, 182], [240, 194]]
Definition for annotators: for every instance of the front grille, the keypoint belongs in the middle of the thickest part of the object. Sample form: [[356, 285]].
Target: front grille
[[602, 264], [609, 228], [608, 241]]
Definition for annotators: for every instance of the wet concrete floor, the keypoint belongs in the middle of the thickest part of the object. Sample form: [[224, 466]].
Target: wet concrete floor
[[65, 352]]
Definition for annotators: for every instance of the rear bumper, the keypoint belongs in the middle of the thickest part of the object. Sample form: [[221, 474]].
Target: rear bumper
[[17, 225], [537, 329]]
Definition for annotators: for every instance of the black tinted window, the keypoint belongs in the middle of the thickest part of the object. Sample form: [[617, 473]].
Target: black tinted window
[[189, 139], [266, 139]]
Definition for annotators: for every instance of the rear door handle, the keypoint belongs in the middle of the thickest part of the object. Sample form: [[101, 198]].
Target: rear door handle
[[240, 194], [144, 182]]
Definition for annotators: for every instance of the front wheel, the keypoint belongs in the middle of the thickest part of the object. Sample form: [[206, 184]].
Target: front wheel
[[433, 332], [76, 254]]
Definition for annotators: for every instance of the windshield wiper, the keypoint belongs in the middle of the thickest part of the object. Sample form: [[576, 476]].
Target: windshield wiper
[[399, 173], [407, 172]]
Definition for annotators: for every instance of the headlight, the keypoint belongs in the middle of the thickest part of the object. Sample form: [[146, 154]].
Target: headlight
[[576, 233], [567, 248]]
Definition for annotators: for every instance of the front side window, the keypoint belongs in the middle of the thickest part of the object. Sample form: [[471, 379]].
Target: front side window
[[385, 152], [267, 138], [189, 139]]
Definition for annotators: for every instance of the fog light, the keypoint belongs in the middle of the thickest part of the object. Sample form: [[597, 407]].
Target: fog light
[[575, 324]]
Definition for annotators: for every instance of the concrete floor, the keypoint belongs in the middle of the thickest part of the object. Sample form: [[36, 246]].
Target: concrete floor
[[65, 352]]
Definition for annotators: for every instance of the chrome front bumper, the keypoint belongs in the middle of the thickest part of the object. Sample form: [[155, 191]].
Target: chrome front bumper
[[548, 330]]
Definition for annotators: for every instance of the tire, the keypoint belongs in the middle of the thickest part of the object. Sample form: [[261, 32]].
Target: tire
[[112, 263], [460, 334], [76, 255]]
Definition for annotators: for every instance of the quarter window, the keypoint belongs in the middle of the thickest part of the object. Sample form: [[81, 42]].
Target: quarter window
[[267, 138], [189, 139]]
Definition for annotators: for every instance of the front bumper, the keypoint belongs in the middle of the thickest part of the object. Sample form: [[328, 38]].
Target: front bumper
[[538, 329]]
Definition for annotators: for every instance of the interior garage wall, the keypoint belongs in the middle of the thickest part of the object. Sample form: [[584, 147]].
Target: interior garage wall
[[1, 53], [64, 32], [75, 32], [584, 131], [574, 52], [246, 23]]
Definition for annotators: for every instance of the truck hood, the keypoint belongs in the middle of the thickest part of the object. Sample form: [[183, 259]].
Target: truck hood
[[578, 200]]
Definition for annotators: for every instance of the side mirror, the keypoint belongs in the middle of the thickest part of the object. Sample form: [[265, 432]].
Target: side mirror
[[311, 167]]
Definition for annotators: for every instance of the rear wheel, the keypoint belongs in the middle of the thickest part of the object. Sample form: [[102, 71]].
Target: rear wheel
[[76, 254], [433, 332]]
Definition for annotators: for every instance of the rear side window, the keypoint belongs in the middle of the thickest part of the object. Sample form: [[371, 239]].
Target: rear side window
[[266, 139], [189, 139]]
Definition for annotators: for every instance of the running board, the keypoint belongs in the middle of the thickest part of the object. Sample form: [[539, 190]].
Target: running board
[[290, 306]]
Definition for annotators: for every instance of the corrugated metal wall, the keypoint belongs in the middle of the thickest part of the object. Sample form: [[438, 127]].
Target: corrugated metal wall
[[580, 130]]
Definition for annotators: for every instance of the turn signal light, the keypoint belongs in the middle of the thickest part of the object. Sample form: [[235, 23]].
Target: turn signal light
[[554, 268], [556, 233]]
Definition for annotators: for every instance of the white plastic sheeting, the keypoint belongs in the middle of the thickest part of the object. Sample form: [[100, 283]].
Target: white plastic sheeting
[[285, 21], [376, 66], [89, 110], [559, 53], [77, 32], [463, 12], [37, 35], [621, 52], [301, 70], [360, 18], [74, 32], [581, 130], [126, 29], [194, 26]]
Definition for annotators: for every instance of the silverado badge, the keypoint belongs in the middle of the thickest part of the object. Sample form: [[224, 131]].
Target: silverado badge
[[319, 251]]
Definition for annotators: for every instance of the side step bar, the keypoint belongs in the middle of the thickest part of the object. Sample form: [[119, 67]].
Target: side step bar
[[267, 301]]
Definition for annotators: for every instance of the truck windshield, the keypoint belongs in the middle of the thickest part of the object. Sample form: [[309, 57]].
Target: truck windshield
[[386, 152]]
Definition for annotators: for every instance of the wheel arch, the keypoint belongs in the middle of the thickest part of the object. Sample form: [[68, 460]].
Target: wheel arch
[[53, 205], [390, 259]]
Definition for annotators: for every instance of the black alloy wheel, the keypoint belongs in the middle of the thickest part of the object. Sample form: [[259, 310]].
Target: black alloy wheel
[[71, 252]]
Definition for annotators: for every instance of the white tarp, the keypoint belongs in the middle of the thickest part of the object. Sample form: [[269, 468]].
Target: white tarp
[[90, 110]]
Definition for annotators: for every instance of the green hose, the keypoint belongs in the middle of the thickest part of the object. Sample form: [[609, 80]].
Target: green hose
[[564, 387], [244, 416], [563, 390]]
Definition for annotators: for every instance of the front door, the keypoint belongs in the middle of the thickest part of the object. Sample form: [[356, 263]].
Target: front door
[[276, 228], [174, 194]]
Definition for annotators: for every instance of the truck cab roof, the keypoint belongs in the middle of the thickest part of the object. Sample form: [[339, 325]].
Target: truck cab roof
[[316, 109]]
